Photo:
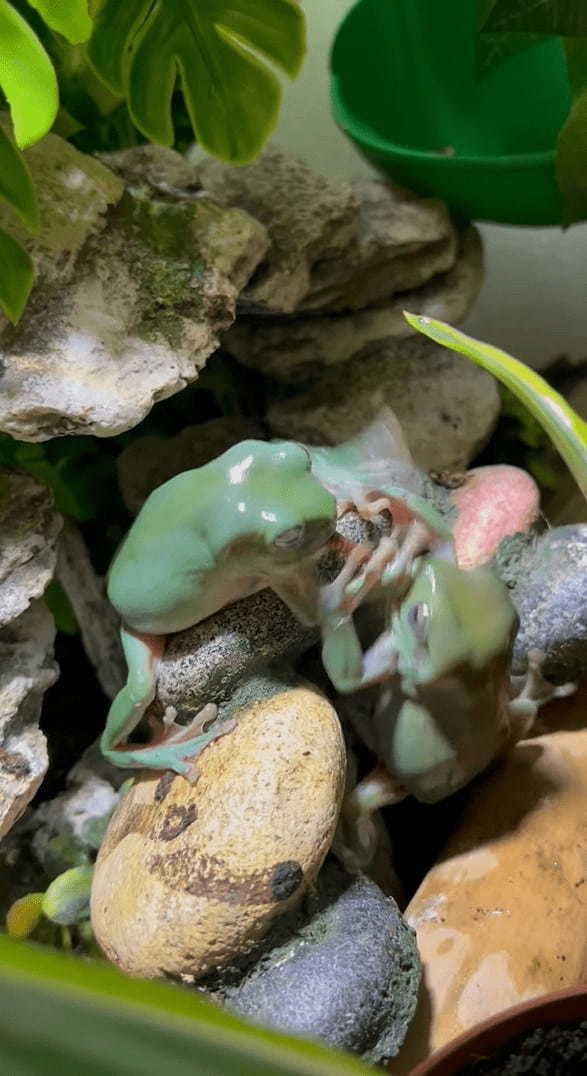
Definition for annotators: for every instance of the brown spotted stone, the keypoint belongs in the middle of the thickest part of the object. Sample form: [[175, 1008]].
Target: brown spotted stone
[[190, 876]]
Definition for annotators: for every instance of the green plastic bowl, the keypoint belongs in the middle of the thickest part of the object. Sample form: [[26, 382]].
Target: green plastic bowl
[[404, 88]]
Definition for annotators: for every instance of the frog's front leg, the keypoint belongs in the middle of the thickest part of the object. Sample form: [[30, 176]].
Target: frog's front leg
[[342, 654], [533, 692], [175, 745]]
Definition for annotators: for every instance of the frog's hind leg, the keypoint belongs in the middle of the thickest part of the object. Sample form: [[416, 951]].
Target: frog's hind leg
[[176, 745], [533, 691], [358, 833]]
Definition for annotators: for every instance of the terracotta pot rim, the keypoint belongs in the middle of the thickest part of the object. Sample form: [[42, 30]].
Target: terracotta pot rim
[[562, 1006]]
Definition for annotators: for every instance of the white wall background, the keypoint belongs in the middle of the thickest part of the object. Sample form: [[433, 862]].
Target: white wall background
[[534, 300]]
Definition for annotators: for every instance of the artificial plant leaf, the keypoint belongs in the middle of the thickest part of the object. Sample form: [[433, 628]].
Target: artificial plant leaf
[[566, 429], [65, 1015], [16, 185], [231, 95], [27, 78], [571, 158], [16, 277], [67, 17], [494, 49], [567, 18]]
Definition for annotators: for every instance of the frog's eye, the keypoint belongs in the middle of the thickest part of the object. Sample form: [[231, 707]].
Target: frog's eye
[[418, 618], [291, 538]]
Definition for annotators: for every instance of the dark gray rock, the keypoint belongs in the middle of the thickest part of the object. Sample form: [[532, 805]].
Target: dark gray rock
[[551, 599], [348, 977]]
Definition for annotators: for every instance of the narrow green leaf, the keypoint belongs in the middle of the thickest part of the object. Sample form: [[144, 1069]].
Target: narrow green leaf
[[16, 185], [27, 78], [61, 1014], [567, 18], [566, 429], [67, 17], [16, 277], [232, 97]]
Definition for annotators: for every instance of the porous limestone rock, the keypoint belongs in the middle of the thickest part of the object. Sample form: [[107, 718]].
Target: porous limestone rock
[[75, 193], [335, 246], [27, 669], [284, 348], [144, 304], [190, 876], [29, 529], [446, 405]]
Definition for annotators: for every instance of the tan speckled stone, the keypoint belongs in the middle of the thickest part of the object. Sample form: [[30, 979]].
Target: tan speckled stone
[[189, 876]]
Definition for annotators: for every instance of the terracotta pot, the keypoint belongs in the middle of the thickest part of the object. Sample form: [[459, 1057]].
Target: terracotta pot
[[562, 1007]]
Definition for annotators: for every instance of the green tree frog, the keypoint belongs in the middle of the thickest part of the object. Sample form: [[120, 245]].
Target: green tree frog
[[254, 517], [446, 705]]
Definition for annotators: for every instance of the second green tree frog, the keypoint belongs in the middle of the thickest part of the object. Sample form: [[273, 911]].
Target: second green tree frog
[[447, 704]]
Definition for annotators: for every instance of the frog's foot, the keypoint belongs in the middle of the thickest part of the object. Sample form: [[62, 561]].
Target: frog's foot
[[360, 584], [357, 835], [333, 601], [416, 541], [181, 744], [533, 692]]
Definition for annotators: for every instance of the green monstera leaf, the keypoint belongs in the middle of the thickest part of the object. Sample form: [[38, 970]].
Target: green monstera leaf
[[217, 49], [567, 431], [27, 78], [70, 18], [72, 1016]]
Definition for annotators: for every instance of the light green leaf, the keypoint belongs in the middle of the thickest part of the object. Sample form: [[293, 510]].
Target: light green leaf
[[67, 17], [16, 277], [567, 18], [65, 1015], [27, 78], [16, 185], [232, 97], [566, 429]]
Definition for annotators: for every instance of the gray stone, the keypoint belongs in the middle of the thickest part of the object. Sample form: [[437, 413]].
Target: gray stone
[[147, 462], [143, 309], [401, 242], [283, 347], [335, 246], [208, 662], [29, 528], [551, 599], [446, 405], [348, 977], [307, 216], [27, 669]]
